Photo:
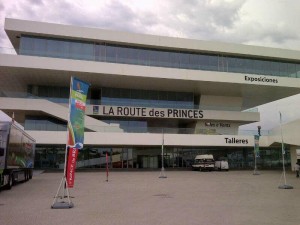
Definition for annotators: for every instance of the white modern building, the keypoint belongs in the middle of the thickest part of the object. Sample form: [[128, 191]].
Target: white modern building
[[146, 90]]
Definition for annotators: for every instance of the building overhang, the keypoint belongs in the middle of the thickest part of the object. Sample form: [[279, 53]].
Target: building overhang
[[149, 139], [19, 71], [15, 28]]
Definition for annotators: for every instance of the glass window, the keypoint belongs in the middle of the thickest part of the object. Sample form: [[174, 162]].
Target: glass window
[[194, 61], [111, 53], [143, 56], [248, 66], [123, 55], [267, 67], [184, 60], [298, 70], [175, 59], [53, 48], [283, 69], [275, 69], [40, 124], [153, 56], [42, 91], [291, 67], [29, 124], [164, 59], [87, 51], [233, 65], [203, 62], [213, 62], [40, 47], [100, 52], [133, 56], [27, 46], [222, 63], [64, 92], [75, 50]]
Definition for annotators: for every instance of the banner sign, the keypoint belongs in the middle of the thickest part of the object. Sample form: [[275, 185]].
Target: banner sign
[[77, 105], [256, 145], [105, 110], [70, 175]]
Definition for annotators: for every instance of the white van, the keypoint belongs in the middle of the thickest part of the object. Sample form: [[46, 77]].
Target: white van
[[221, 165], [204, 163]]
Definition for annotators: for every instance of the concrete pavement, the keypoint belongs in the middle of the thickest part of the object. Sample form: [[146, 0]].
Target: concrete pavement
[[184, 197]]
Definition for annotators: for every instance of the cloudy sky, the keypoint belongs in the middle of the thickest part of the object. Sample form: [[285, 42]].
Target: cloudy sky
[[271, 23]]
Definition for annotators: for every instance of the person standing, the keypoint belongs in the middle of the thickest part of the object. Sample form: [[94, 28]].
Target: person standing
[[297, 167]]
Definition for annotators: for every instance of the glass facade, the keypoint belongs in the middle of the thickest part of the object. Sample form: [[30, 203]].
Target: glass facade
[[44, 123], [52, 157], [146, 98], [51, 93], [107, 52], [118, 97]]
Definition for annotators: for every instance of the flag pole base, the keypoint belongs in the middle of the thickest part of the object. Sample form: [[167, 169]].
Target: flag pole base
[[256, 172], [162, 173], [285, 186], [62, 205]]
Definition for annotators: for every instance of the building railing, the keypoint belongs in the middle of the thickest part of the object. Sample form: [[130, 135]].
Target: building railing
[[158, 130], [133, 103]]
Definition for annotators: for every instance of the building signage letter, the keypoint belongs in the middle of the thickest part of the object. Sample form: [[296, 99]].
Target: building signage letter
[[127, 111]]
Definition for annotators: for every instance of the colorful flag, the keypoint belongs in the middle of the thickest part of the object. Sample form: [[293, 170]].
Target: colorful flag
[[77, 105]]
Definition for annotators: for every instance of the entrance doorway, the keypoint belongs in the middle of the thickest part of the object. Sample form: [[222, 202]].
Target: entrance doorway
[[148, 161]]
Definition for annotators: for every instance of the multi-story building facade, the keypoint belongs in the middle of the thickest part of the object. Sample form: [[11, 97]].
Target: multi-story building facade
[[146, 90]]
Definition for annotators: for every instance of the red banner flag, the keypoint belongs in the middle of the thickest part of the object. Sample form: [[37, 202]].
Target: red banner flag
[[71, 166], [106, 167]]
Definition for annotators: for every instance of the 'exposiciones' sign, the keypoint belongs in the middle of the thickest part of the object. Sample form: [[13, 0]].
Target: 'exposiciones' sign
[[261, 79]]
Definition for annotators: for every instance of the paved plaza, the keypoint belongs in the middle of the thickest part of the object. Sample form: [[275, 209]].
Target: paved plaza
[[137, 198]]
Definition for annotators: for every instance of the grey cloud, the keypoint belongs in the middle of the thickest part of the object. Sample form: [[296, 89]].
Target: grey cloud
[[225, 15], [36, 2], [202, 19], [198, 19], [1, 6]]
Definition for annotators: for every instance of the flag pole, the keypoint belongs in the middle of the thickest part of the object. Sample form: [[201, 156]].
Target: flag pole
[[285, 185], [63, 187], [162, 172]]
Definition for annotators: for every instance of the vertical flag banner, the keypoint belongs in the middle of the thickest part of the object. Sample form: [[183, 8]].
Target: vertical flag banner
[[77, 105], [256, 145]]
